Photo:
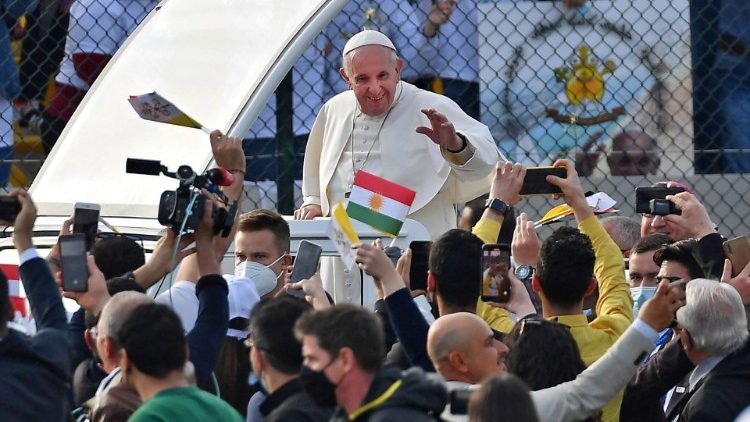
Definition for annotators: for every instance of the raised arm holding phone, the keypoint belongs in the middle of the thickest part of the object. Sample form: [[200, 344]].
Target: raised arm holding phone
[[35, 367]]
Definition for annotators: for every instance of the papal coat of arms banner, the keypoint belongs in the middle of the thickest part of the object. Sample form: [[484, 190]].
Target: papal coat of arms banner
[[555, 79]]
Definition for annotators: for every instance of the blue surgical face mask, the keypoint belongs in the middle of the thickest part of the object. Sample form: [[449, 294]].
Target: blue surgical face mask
[[640, 295]]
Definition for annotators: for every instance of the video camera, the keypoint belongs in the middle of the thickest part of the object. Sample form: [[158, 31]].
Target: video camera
[[175, 209]]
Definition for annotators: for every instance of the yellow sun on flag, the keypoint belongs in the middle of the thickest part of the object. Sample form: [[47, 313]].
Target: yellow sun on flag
[[375, 202]]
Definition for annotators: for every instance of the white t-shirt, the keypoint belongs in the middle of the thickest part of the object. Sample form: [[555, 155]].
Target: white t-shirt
[[243, 296], [183, 301]]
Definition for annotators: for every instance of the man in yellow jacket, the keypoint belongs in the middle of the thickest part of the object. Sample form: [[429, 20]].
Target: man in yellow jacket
[[570, 264]]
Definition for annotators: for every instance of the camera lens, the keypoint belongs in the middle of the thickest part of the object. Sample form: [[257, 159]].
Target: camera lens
[[166, 207]]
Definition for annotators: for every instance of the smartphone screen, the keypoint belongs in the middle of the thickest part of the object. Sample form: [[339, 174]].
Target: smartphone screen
[[305, 264], [737, 250], [495, 266], [75, 273], [420, 255], [535, 181], [86, 221], [644, 195], [9, 208]]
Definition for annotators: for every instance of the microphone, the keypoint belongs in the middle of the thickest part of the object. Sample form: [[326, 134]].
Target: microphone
[[220, 176], [139, 166]]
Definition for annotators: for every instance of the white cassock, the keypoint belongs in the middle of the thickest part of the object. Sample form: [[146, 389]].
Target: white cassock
[[343, 140]]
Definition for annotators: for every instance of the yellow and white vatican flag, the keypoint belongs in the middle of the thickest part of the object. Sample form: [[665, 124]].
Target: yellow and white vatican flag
[[342, 234], [156, 108]]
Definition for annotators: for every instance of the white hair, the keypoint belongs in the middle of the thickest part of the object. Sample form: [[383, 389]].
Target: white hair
[[624, 230], [349, 58], [714, 316], [117, 310]]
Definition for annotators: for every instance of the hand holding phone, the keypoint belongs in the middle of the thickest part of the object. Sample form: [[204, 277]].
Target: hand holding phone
[[495, 285], [86, 221], [75, 272], [535, 182], [645, 195], [305, 264]]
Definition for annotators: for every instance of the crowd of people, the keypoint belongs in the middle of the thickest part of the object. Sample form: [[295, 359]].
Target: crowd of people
[[582, 336]]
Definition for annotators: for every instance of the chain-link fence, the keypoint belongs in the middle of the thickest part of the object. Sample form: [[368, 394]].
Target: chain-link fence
[[634, 91]]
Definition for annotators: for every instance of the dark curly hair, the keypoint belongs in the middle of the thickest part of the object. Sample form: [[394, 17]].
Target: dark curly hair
[[566, 266]]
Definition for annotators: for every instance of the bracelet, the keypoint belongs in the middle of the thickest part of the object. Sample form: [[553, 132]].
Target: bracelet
[[237, 171], [463, 145]]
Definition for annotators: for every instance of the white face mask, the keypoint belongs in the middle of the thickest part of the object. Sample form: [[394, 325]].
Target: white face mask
[[261, 275]]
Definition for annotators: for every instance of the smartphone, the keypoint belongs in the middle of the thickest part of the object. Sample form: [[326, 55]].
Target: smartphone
[[644, 196], [75, 272], [86, 221], [420, 256], [305, 264], [9, 208], [495, 265], [535, 181], [737, 250]]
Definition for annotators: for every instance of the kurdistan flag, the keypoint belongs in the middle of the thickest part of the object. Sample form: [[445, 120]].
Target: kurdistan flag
[[156, 108], [379, 203]]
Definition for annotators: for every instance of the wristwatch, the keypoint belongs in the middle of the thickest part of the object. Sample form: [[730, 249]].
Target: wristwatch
[[524, 272], [496, 205]]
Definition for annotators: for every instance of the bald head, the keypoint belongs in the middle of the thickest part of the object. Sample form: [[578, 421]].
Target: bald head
[[462, 347], [450, 333]]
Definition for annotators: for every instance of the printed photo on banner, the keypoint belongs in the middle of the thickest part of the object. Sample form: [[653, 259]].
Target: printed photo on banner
[[557, 81]]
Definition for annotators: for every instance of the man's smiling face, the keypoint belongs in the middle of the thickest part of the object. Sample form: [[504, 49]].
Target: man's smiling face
[[373, 73]]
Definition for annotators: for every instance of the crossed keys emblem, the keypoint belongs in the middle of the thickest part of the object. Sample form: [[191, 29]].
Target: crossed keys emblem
[[156, 109]]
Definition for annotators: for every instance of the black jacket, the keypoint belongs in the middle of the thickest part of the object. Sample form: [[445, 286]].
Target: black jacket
[[35, 374], [417, 398], [290, 403], [641, 401], [722, 395]]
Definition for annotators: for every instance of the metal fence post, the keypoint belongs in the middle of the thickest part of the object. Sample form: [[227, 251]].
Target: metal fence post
[[285, 146]]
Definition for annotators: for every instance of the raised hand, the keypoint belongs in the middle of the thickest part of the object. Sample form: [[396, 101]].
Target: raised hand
[[441, 130]]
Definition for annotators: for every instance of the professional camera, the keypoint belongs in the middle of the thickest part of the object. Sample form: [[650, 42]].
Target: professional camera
[[175, 209]]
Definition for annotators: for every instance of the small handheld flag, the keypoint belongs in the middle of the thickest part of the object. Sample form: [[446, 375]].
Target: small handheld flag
[[379, 203], [600, 203], [342, 234], [156, 108]]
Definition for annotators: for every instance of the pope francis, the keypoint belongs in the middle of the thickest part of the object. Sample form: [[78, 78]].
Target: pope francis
[[397, 131]]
